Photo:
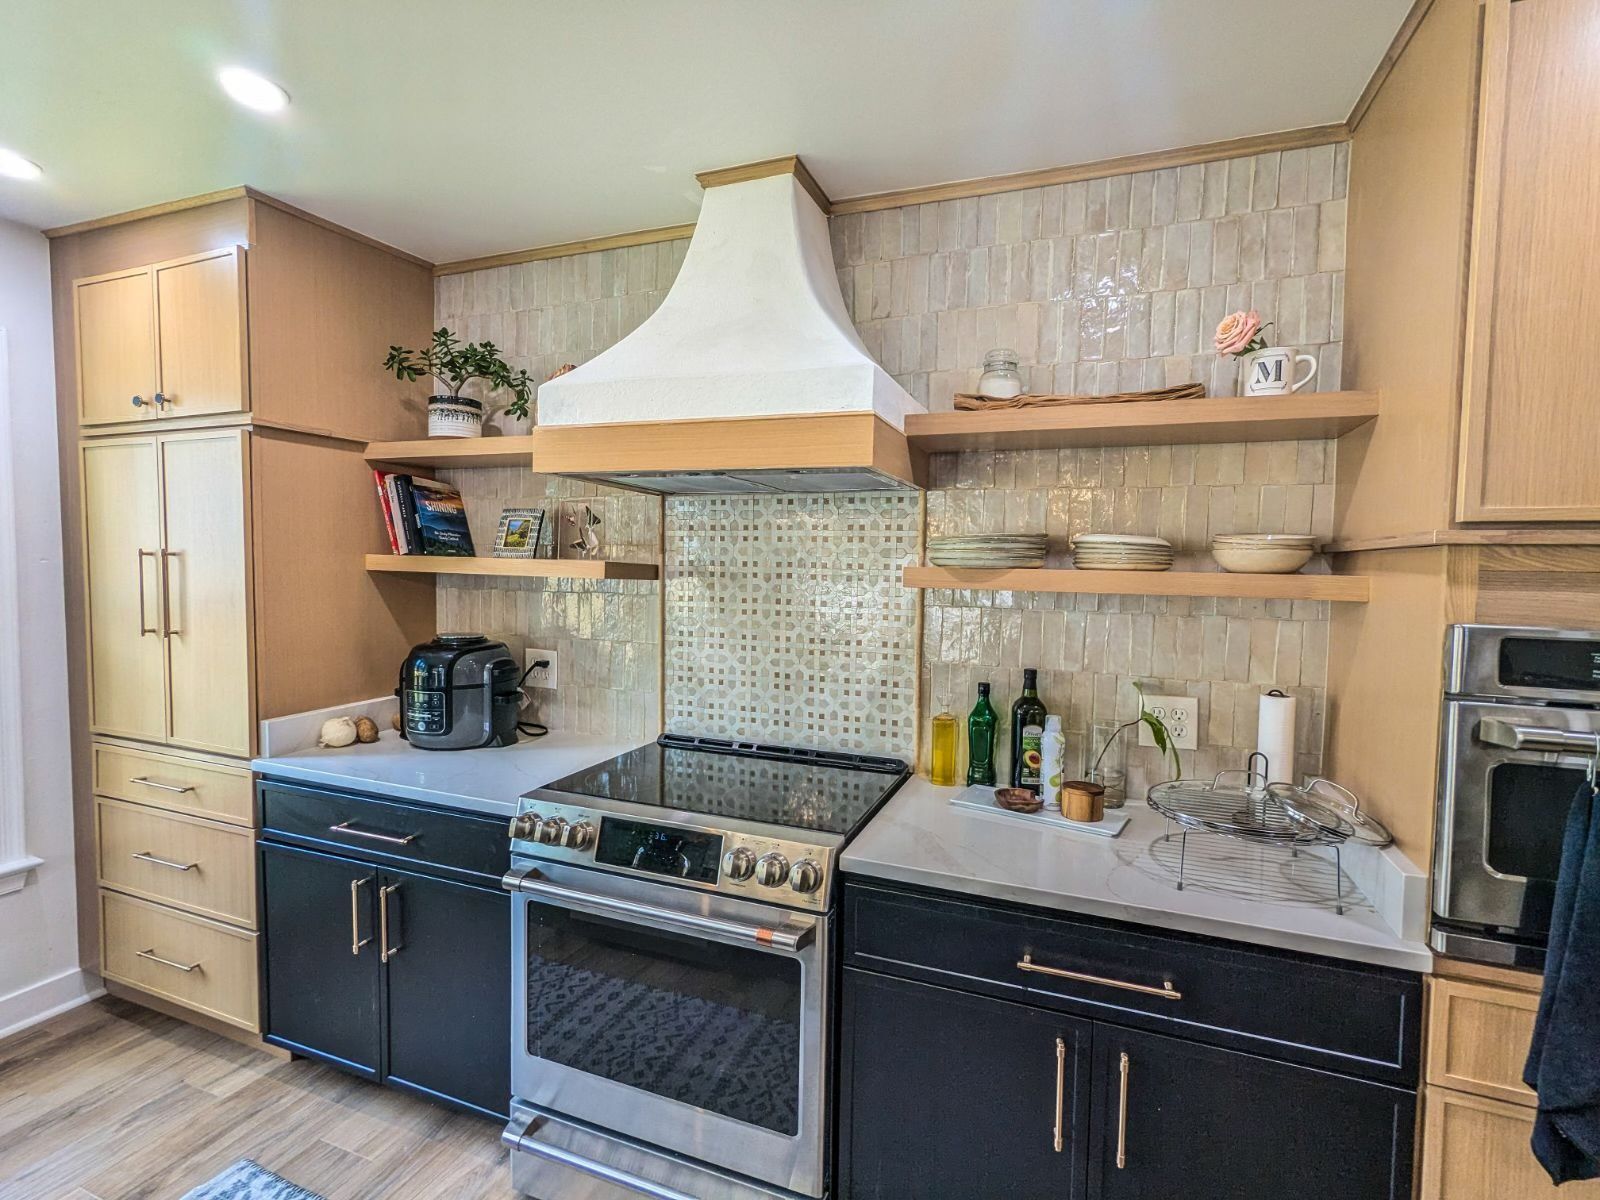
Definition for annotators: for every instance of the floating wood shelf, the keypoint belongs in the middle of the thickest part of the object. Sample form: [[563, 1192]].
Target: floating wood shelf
[[528, 568], [444, 453], [1146, 583], [1147, 422]]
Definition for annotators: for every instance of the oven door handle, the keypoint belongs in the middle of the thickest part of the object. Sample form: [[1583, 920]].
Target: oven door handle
[[1493, 731], [788, 936]]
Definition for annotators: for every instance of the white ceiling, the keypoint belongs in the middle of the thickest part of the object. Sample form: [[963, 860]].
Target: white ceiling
[[475, 126]]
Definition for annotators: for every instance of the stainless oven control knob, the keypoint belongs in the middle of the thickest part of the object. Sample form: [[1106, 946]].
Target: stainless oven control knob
[[578, 835], [805, 876], [772, 869], [739, 864], [552, 831], [525, 826]]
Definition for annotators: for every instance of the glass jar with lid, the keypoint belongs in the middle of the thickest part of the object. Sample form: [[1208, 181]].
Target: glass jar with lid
[[1001, 378]]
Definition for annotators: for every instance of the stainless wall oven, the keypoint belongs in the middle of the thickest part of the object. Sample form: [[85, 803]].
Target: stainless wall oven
[[1520, 734]]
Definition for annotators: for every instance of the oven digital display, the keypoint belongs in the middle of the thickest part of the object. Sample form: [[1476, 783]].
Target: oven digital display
[[660, 850], [1566, 664]]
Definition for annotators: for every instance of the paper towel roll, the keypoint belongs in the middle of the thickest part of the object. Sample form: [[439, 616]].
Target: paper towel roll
[[1275, 736]]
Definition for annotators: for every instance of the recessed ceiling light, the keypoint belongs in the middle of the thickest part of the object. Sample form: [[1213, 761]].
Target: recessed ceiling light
[[253, 90], [14, 166]]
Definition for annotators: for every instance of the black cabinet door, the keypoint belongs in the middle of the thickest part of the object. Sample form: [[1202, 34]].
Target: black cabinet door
[[449, 996], [319, 926], [1173, 1118], [943, 1094]]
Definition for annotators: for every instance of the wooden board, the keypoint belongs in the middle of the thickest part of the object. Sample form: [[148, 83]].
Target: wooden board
[[530, 568], [1147, 423], [444, 453], [1145, 583]]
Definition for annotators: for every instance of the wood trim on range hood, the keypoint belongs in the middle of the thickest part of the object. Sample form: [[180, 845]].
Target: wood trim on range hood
[[733, 445]]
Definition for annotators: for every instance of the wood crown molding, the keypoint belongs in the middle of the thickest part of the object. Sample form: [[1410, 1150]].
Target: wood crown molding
[[1386, 64], [788, 164], [614, 241]]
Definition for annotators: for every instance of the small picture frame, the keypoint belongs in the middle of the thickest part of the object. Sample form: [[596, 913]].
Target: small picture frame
[[520, 534]]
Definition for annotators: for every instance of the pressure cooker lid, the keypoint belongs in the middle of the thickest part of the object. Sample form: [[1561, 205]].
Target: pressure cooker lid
[[460, 641]]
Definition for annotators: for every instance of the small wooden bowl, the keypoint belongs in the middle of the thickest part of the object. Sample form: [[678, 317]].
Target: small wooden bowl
[[1020, 800], [1083, 801]]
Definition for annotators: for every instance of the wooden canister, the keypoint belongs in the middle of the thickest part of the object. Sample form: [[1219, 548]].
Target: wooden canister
[[1083, 801]]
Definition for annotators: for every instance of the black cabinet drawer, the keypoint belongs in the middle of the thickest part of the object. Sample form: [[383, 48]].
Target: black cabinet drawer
[[386, 830], [1356, 1019]]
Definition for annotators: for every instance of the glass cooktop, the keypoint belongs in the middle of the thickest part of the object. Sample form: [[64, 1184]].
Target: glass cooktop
[[824, 791]]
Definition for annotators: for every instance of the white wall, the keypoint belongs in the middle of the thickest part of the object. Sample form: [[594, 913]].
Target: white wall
[[39, 971]]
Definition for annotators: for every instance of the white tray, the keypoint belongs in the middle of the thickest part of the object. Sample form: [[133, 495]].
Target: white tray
[[980, 799]]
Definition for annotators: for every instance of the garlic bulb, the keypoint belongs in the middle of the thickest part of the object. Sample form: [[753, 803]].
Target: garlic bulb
[[337, 731], [366, 729]]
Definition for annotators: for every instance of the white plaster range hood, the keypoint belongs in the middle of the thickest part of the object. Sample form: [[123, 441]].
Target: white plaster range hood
[[749, 377]]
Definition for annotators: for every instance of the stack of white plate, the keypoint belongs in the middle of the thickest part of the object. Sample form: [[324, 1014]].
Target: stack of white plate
[[993, 551], [1263, 553], [1121, 552]]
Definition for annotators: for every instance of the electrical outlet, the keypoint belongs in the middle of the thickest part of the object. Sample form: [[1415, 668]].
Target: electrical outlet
[[540, 677], [1180, 714]]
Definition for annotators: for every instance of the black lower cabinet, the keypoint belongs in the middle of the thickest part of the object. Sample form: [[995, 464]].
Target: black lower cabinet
[[946, 1096]]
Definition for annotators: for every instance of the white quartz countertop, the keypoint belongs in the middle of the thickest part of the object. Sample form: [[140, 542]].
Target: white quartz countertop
[[920, 838], [486, 781]]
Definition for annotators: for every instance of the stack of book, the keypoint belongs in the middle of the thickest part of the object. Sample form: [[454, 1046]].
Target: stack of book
[[423, 516]]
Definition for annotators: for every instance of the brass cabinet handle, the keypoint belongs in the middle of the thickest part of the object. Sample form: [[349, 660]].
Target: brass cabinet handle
[[146, 856], [356, 940], [165, 787], [167, 962], [1166, 991], [386, 951], [166, 592], [1061, 1090], [349, 827], [144, 626], [1122, 1114]]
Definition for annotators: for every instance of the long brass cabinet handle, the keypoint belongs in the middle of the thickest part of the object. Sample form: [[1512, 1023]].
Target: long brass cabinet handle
[[356, 940], [1122, 1113], [157, 860], [167, 962], [1166, 991], [166, 593], [165, 787], [1061, 1092], [385, 950], [144, 620], [349, 827]]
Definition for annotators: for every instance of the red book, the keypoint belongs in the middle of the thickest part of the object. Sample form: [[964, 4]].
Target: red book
[[382, 480]]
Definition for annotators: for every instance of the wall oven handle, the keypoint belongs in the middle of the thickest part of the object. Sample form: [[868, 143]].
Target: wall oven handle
[[786, 937], [1493, 731]]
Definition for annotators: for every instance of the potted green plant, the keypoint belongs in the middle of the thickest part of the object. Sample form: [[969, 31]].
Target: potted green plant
[[1113, 775], [453, 364]]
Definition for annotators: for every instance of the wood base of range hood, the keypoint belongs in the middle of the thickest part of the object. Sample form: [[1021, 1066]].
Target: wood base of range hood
[[812, 442]]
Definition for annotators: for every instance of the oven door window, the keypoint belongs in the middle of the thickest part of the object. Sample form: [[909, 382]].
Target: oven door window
[[1527, 818], [711, 1025]]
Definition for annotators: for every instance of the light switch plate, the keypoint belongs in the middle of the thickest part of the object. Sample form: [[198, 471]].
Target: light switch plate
[[1180, 714], [540, 677]]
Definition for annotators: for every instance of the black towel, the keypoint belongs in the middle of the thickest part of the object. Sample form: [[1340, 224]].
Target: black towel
[[1564, 1061]]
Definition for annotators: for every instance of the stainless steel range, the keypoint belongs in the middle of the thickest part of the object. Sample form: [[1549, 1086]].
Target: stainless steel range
[[672, 938]]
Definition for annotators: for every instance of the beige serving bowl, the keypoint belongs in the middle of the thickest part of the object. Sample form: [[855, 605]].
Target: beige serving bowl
[[1259, 558]]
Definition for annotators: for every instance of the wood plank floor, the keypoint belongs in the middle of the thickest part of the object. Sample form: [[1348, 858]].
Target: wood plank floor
[[114, 1102]]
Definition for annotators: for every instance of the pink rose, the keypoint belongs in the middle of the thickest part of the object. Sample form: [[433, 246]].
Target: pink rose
[[1237, 331]]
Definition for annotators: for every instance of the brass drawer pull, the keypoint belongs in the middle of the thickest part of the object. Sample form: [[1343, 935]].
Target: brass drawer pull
[[165, 787], [1166, 991], [1122, 1114], [349, 827], [386, 951], [1061, 1091], [356, 940], [157, 860], [167, 962], [144, 626]]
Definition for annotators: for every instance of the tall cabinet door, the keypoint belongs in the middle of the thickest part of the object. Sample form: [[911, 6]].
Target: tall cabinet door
[[1533, 313], [200, 320], [122, 558], [319, 918], [205, 571], [1174, 1118], [448, 939], [116, 347]]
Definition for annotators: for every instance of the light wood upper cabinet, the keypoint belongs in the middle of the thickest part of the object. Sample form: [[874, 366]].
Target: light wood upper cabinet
[[200, 334], [122, 556], [116, 347], [1533, 315]]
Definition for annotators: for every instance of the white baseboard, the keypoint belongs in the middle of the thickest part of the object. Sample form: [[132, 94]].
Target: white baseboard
[[46, 999]]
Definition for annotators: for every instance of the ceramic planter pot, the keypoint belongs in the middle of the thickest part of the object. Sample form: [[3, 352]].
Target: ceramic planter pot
[[455, 416]]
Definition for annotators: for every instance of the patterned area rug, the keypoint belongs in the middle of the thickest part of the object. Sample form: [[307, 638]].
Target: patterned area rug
[[247, 1181]]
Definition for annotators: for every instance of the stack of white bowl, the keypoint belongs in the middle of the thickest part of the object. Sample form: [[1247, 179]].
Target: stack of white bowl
[[1263, 553], [1121, 552], [993, 552]]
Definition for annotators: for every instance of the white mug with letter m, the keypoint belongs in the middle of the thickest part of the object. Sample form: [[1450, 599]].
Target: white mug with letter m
[[1270, 372]]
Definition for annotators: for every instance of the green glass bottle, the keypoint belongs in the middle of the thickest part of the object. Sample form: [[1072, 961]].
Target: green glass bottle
[[1027, 728], [981, 725]]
